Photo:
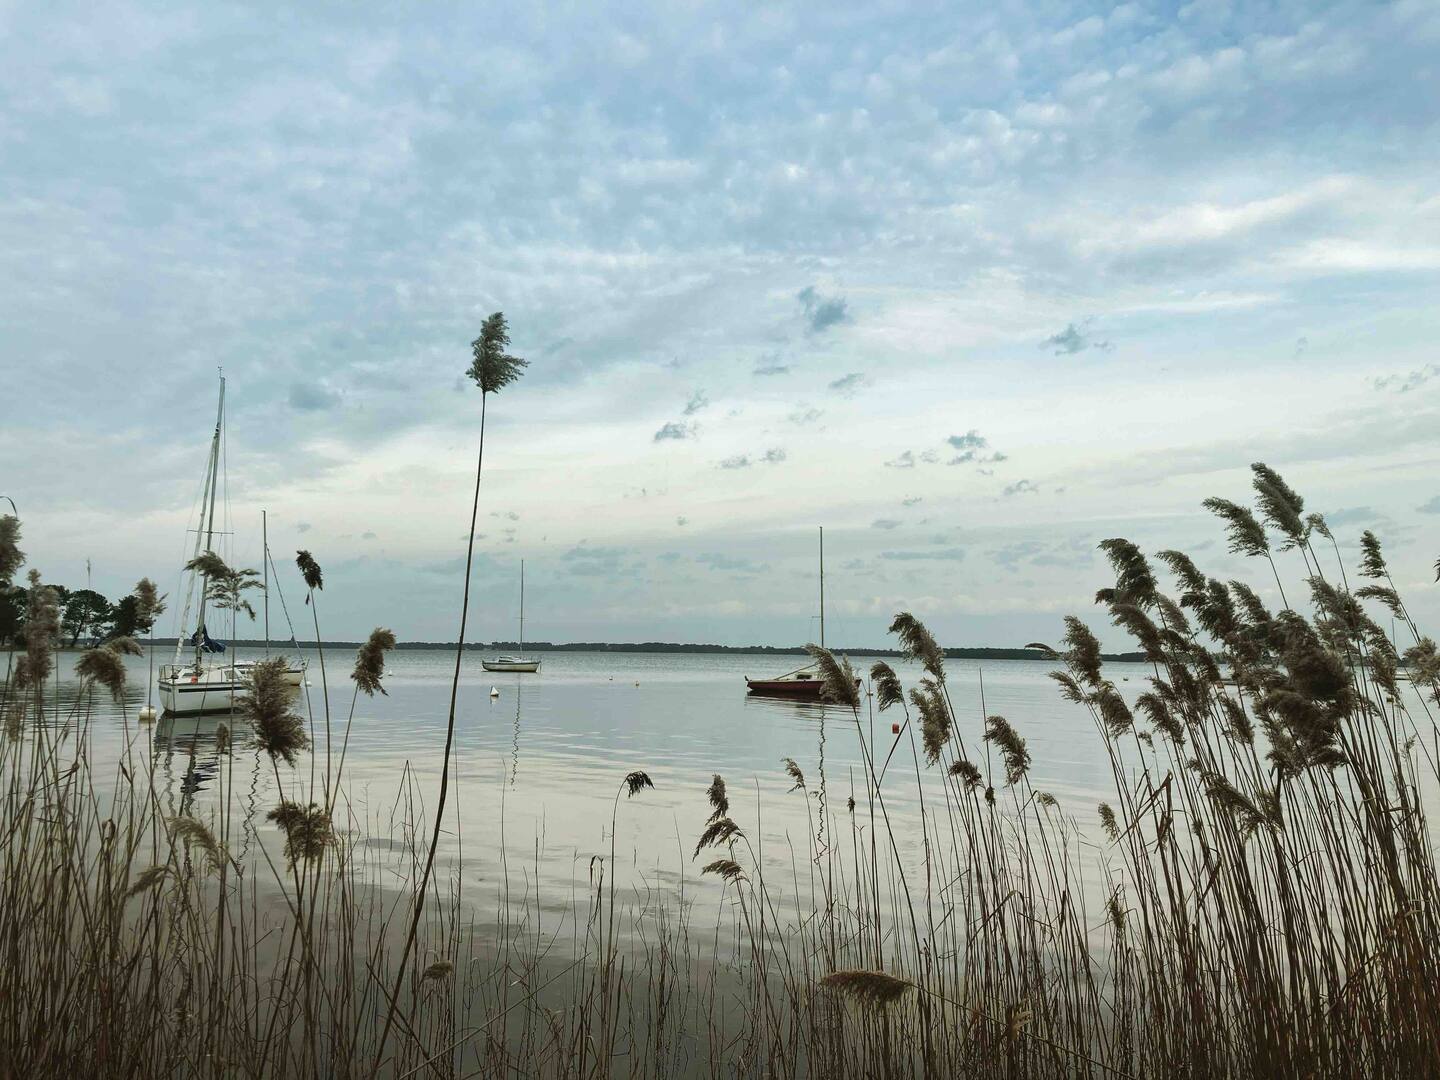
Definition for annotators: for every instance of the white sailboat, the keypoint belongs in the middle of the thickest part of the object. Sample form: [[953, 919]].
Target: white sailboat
[[517, 662], [201, 685]]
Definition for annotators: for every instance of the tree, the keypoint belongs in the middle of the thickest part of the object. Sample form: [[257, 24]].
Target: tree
[[13, 603], [84, 610]]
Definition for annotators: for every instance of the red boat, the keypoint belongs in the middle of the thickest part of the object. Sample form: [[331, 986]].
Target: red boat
[[804, 683]]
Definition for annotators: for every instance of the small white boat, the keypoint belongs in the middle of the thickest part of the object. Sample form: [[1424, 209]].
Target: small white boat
[[511, 663], [518, 661]]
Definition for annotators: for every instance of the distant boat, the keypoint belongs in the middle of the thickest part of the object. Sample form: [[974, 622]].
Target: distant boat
[[806, 682], [198, 686], [519, 661]]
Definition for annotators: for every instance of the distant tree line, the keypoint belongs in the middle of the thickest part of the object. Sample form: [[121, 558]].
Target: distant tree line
[[85, 615]]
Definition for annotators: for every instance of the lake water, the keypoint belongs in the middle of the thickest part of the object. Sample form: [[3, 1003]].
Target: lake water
[[545, 758]]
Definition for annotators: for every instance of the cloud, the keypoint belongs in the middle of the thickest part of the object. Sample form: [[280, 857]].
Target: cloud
[[594, 561], [972, 446], [367, 536], [952, 554], [1410, 380], [682, 521], [885, 523], [312, 397], [1076, 553], [675, 429], [1020, 487], [905, 460], [770, 364], [1302, 345], [1074, 339], [303, 527], [1352, 515], [1431, 507], [846, 385], [804, 415], [772, 456], [697, 401], [822, 312], [913, 500], [729, 563]]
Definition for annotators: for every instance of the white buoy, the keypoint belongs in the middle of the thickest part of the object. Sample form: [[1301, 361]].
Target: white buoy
[[494, 691], [147, 713]]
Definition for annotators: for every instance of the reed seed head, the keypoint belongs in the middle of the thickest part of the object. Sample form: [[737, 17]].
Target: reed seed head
[[917, 643], [872, 989], [837, 677], [308, 831], [149, 604], [728, 869], [1108, 822], [719, 802], [146, 880], [11, 557], [370, 661], [279, 731], [196, 834], [492, 367], [103, 666], [887, 685], [966, 772], [935, 720], [1083, 653], [792, 770], [209, 566], [42, 627], [1246, 534], [309, 570], [1011, 746], [718, 831], [637, 782], [440, 969], [1281, 507]]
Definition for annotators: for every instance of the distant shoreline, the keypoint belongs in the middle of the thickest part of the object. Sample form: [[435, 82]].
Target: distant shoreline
[[663, 647]]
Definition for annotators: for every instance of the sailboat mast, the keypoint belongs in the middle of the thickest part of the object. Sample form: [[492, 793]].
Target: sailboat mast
[[522, 607], [822, 586], [210, 522], [265, 564]]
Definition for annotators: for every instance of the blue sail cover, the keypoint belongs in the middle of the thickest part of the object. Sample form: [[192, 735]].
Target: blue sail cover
[[206, 642]]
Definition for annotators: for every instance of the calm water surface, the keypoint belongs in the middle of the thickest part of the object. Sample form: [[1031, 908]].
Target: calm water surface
[[538, 767]]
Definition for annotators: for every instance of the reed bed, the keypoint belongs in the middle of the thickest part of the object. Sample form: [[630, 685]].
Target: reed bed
[[1268, 899]]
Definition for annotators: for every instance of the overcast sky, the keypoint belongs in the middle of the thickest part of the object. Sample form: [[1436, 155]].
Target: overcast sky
[[972, 289]]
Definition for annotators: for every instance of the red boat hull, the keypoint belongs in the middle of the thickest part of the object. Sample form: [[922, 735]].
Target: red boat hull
[[809, 689]]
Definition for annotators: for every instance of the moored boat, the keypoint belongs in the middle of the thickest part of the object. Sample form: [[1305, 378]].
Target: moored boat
[[805, 683], [517, 662], [202, 685]]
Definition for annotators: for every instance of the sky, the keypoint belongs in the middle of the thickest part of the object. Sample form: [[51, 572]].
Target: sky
[[973, 286]]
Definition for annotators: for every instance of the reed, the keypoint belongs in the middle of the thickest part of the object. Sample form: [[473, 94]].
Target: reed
[[1256, 895]]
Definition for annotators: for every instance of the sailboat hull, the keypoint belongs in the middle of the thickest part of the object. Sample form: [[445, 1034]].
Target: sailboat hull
[[804, 689], [522, 666], [186, 692]]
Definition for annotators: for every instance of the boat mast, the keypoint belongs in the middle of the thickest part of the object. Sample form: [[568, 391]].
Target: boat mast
[[265, 565], [210, 522], [822, 586], [522, 607]]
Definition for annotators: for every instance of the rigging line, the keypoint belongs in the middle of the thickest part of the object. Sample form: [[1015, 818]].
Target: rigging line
[[275, 576]]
